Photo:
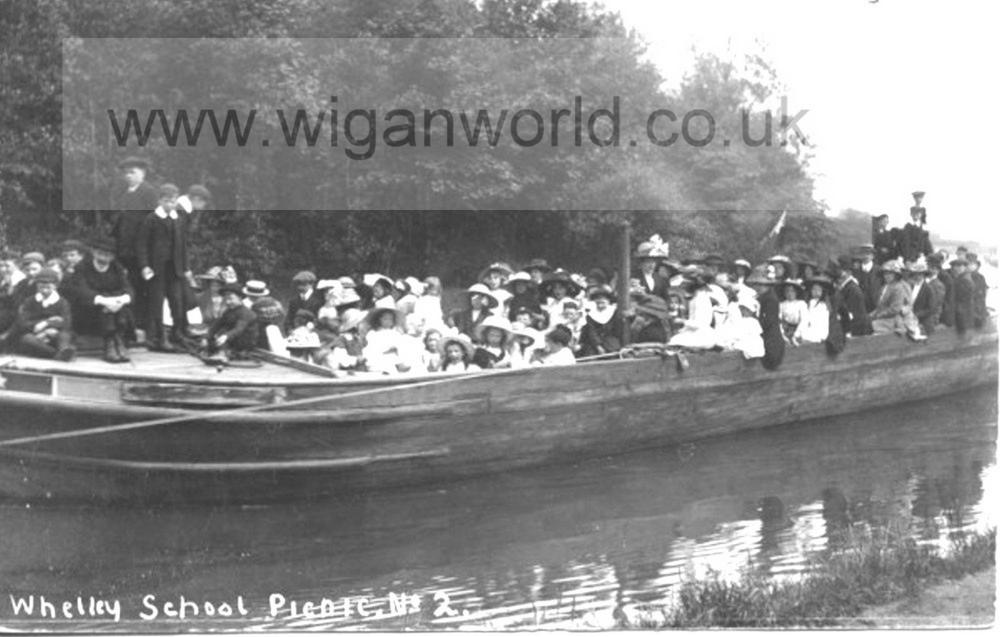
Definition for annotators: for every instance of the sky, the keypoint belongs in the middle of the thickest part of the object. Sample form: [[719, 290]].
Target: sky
[[900, 93]]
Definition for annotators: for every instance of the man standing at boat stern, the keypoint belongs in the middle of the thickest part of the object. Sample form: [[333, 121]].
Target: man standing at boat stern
[[849, 300], [770, 319], [162, 254], [133, 203]]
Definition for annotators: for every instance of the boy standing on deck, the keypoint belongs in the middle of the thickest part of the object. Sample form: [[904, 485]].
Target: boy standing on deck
[[163, 259], [132, 204]]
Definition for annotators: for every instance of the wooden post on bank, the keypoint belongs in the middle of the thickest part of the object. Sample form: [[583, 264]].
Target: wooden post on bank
[[624, 274]]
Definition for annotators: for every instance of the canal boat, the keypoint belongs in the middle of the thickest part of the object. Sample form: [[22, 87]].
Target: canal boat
[[168, 428]]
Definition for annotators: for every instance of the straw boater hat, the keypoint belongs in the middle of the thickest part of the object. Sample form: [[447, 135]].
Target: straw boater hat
[[522, 277], [559, 276], [351, 319], [780, 258], [214, 273], [482, 290], [645, 250], [461, 339], [496, 322], [254, 288]]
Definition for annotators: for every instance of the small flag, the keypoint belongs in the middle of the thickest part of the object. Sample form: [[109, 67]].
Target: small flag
[[779, 224]]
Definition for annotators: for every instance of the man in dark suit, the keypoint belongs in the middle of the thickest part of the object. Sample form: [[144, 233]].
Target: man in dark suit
[[849, 300], [163, 259], [965, 291], [947, 279], [867, 275], [927, 294], [132, 204], [769, 319], [979, 312]]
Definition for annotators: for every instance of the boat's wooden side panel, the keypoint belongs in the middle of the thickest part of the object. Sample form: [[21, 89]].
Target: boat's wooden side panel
[[487, 423]]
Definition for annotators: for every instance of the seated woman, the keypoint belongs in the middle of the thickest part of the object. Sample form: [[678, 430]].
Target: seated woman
[[559, 288], [44, 321], [894, 312], [102, 299], [492, 335], [234, 334], [557, 351], [523, 296], [740, 329], [270, 315], [815, 325], [456, 354], [697, 331], [792, 307], [604, 329]]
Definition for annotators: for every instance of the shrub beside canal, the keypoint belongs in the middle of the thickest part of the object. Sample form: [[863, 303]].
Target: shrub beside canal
[[868, 571]]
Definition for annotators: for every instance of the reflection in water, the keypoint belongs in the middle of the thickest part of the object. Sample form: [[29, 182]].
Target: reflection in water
[[560, 547]]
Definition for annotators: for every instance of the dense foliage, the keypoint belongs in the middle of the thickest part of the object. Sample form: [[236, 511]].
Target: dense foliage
[[746, 189]]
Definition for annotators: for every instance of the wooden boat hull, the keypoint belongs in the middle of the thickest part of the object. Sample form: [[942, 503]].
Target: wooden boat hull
[[383, 433]]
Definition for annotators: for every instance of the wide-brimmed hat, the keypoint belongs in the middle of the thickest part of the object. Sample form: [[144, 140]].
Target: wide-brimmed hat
[[496, 322], [496, 266], [559, 276], [819, 279], [522, 277], [254, 287], [104, 244], [133, 161], [482, 290], [461, 339], [47, 275], [326, 284], [351, 318], [416, 285], [347, 282], [892, 266], [371, 279], [758, 276], [232, 288], [602, 290], [198, 190], [375, 316], [743, 263], [305, 276], [795, 283], [214, 273], [538, 264], [526, 332], [780, 258], [713, 259], [916, 267], [806, 263], [645, 250], [346, 297]]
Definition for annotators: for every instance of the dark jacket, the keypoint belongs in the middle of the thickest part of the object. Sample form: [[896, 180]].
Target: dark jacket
[[86, 284], [927, 304], [485, 359], [913, 242], [979, 298], [163, 240], [948, 305], [32, 312], [770, 324], [965, 293], [871, 284], [600, 338], [849, 305], [296, 303], [239, 326], [133, 208], [659, 288], [885, 246], [462, 321]]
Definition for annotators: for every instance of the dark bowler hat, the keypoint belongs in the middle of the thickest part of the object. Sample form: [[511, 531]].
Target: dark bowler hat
[[133, 162], [104, 244], [538, 264], [958, 261]]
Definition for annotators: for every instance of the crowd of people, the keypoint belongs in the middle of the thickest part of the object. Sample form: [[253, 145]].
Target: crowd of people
[[137, 286]]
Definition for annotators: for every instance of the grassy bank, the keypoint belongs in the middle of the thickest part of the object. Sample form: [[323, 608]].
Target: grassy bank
[[870, 570]]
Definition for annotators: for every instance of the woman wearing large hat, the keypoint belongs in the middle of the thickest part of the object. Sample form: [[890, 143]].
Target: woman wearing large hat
[[894, 311], [792, 306], [387, 350], [523, 295], [604, 330], [482, 303], [815, 324], [492, 335], [648, 259], [537, 269], [697, 331], [521, 346]]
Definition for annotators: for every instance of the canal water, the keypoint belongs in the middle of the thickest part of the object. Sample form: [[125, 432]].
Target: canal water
[[559, 547]]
